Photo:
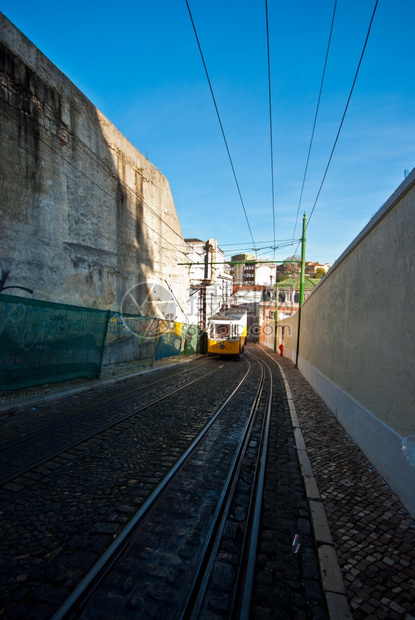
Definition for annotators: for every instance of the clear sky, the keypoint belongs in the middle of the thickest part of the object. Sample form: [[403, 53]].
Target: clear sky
[[138, 62]]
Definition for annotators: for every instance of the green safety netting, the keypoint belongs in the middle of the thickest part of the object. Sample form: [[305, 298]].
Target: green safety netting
[[193, 339], [44, 342], [157, 338], [177, 338], [123, 325]]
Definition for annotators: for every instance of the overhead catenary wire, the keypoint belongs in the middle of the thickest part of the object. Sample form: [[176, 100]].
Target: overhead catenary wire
[[265, 252], [262, 250], [270, 121], [245, 248], [242, 244], [220, 122], [315, 116], [345, 111]]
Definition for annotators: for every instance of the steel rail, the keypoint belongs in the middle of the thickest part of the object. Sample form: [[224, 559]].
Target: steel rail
[[246, 581], [212, 541], [71, 444], [242, 590], [90, 582]]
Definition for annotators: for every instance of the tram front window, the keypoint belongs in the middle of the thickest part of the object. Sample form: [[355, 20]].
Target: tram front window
[[222, 331]]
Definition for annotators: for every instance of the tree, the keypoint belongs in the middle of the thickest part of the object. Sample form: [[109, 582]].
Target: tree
[[289, 269], [320, 272]]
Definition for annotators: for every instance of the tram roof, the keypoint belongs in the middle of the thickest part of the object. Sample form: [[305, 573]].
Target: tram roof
[[231, 313]]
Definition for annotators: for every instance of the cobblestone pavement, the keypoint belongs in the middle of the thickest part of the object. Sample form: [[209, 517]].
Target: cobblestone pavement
[[288, 583], [57, 519], [28, 398], [372, 533]]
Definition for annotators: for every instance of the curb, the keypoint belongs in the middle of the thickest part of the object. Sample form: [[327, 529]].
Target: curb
[[332, 579]]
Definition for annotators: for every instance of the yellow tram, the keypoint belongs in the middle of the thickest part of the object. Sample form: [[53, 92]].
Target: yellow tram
[[227, 332]]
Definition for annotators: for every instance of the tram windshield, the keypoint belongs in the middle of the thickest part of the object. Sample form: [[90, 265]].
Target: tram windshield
[[224, 330]]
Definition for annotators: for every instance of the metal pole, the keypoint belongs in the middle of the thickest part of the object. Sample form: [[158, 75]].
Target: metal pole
[[276, 316], [303, 240], [206, 272], [302, 262]]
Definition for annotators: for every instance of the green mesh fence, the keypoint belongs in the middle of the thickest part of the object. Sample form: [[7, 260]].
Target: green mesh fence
[[168, 339], [123, 325], [44, 342], [132, 337], [178, 339], [193, 340]]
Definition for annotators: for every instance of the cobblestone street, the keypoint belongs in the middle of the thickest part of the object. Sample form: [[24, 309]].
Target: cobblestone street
[[371, 533]]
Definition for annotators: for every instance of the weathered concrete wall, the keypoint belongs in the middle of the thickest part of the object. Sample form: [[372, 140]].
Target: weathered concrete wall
[[357, 340], [84, 215]]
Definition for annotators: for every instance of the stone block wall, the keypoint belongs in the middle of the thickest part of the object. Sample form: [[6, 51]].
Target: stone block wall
[[85, 217]]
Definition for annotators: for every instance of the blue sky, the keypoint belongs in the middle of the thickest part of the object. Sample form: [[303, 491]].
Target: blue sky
[[138, 62]]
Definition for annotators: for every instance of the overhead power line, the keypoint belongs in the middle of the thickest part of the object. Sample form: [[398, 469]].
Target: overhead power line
[[270, 121], [242, 244], [220, 121], [345, 110], [246, 249], [315, 117], [265, 247]]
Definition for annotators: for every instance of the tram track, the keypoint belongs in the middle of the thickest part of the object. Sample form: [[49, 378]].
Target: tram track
[[38, 427], [58, 518], [247, 489], [240, 489], [21, 454], [196, 554]]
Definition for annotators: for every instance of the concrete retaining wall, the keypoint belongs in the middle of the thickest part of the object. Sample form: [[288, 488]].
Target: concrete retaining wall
[[357, 340], [84, 215]]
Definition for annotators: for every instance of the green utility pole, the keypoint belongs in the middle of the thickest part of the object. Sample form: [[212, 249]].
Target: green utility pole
[[302, 261], [302, 274], [276, 316]]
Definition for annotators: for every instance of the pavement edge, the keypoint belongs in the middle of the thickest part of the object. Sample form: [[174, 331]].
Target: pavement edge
[[334, 589]]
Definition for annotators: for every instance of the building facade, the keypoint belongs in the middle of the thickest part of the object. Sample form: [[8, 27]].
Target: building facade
[[311, 268], [211, 283], [240, 271], [247, 271], [289, 295]]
